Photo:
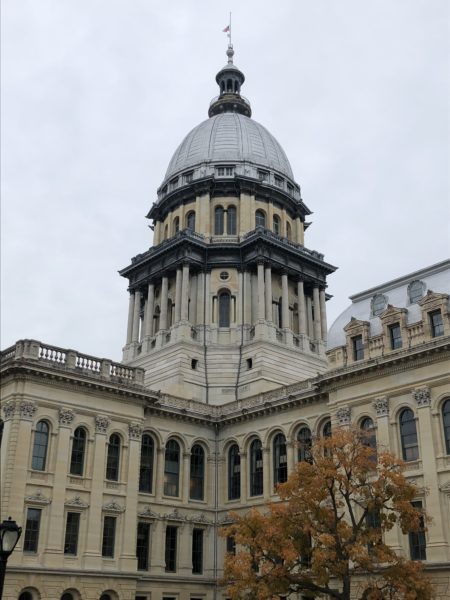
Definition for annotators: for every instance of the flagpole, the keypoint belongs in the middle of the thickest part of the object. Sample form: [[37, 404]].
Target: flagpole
[[230, 31]]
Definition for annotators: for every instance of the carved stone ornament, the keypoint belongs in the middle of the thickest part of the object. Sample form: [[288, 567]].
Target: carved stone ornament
[[113, 507], [200, 519], [27, 410], [174, 516], [76, 502], [445, 487], [381, 406], [101, 423], [147, 513], [422, 396], [38, 498], [135, 431], [9, 409], [65, 416], [343, 415]]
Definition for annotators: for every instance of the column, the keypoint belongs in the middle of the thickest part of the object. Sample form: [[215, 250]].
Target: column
[[268, 290], [316, 324], [178, 295], [150, 308], [136, 316], [130, 318], [159, 479], [200, 297], [128, 549], [244, 478], [185, 293], [309, 316], [185, 476], [261, 308], [284, 301], [164, 296], [193, 294], [247, 291], [267, 486], [301, 308], [240, 299], [323, 315], [291, 456], [207, 298]]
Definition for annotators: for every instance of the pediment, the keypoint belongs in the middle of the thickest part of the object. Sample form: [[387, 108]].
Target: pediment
[[433, 298], [356, 324], [392, 311]]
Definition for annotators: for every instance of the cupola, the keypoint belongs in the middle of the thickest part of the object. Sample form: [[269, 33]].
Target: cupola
[[230, 79]]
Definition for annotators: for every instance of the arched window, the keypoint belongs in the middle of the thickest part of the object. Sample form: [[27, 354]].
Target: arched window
[[368, 429], [279, 459], [40, 446], [280, 312], [170, 311], [172, 469], [234, 473], [231, 220], [326, 429], [67, 596], [78, 451], [146, 467], [105, 597], [166, 232], [276, 224], [176, 225], [304, 440], [26, 596], [197, 483], [113, 458], [190, 220], [256, 468], [260, 218], [224, 309], [408, 435], [446, 422], [218, 220], [288, 231]]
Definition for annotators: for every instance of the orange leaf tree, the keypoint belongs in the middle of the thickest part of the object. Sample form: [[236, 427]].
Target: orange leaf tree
[[328, 530]]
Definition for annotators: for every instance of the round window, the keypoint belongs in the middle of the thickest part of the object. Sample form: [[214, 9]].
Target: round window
[[224, 275], [379, 303]]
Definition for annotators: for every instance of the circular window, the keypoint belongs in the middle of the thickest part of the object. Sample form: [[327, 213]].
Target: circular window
[[224, 275], [416, 290], [379, 303]]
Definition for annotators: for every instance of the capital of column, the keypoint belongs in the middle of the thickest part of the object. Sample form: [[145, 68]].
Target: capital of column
[[27, 410], [102, 422], [66, 416], [343, 415], [9, 409], [422, 396], [381, 406], [134, 431]]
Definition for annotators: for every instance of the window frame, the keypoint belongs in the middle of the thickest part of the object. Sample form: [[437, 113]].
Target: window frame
[[113, 458], [256, 468], [197, 550], [143, 549], [280, 470], [260, 218], [417, 539], [276, 224], [197, 473], [224, 311], [395, 336], [109, 536], [78, 452], [231, 220], [410, 450], [436, 328], [32, 532], [147, 464], [234, 472], [190, 220], [171, 548], [72, 534], [445, 413], [304, 445], [39, 457], [172, 477], [358, 347], [219, 220]]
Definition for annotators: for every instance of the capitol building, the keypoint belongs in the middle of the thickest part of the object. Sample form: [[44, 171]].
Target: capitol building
[[122, 474]]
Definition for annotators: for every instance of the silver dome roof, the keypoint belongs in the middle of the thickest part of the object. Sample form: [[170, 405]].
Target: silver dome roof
[[229, 138]]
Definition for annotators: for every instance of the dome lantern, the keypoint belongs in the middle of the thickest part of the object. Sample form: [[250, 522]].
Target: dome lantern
[[230, 79]]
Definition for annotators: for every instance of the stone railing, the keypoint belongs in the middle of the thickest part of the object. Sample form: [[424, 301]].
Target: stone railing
[[74, 362], [271, 234]]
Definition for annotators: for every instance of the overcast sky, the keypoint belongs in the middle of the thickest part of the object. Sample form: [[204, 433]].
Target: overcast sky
[[97, 95]]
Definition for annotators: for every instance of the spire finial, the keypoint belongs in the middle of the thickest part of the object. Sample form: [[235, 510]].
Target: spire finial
[[230, 51]]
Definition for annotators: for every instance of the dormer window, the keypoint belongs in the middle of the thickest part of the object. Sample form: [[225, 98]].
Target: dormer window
[[187, 177], [173, 183], [225, 171], [395, 335], [358, 347], [263, 175], [279, 181], [436, 323], [290, 189], [416, 291], [378, 304]]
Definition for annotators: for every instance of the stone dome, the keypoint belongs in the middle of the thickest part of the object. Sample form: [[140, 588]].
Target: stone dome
[[231, 138]]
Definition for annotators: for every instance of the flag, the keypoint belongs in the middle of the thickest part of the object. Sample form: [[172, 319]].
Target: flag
[[227, 29]]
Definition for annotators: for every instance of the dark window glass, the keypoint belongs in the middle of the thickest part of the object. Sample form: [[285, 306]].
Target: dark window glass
[[197, 551], [105, 597], [78, 451], [369, 437], [172, 468], [231, 220], [279, 459], [218, 220], [417, 539], [25, 596], [446, 422], [408, 434], [171, 549], [234, 473], [304, 441], [143, 545], [72, 530], [113, 458], [109, 535], [436, 323], [276, 224], [224, 309], [260, 218], [190, 220], [40, 446], [176, 225], [288, 231], [256, 468], [67, 596], [197, 482], [395, 335], [326, 430], [373, 523], [30, 543], [358, 348], [146, 467], [231, 545]]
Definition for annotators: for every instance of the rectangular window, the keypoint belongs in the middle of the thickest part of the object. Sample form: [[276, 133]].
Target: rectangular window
[[143, 545], [358, 347], [417, 540], [109, 535], [197, 551], [171, 549], [395, 335], [225, 171], [436, 323], [187, 177], [173, 183], [290, 189], [373, 524], [263, 175], [32, 526], [72, 529], [231, 545], [278, 181]]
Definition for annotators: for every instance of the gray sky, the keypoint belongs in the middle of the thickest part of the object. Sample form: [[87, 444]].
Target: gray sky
[[97, 94]]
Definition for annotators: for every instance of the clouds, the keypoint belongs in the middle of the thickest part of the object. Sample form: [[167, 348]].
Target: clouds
[[97, 96]]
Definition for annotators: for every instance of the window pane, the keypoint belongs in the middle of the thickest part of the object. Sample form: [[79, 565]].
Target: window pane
[[260, 219], [172, 468], [197, 551], [256, 468], [279, 459], [408, 434], [146, 467], [78, 450], [171, 549], [395, 335], [437, 325], [218, 221], [109, 534], [234, 473], [276, 224], [40, 446], [304, 444], [112, 461], [224, 310], [446, 423], [190, 221], [358, 348], [143, 545], [197, 473], [32, 526], [231, 220], [417, 539], [72, 529]]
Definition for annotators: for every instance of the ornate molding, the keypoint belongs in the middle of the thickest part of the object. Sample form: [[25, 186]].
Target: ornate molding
[[102, 423], [174, 516], [76, 502], [38, 498], [381, 406], [113, 507], [199, 519], [27, 410], [66, 416], [135, 431], [343, 415], [422, 396], [445, 487], [147, 513], [9, 409]]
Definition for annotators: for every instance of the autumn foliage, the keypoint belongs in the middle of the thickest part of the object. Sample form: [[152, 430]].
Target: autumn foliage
[[327, 535]]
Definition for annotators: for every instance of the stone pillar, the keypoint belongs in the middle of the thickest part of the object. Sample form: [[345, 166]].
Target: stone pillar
[[128, 548], [316, 324], [193, 318], [178, 295], [268, 291], [159, 479], [164, 298], [284, 301], [136, 316], [244, 478], [200, 297], [261, 308], [185, 293], [267, 486], [150, 308], [247, 291], [207, 299], [185, 476], [323, 315], [240, 298], [130, 318], [291, 457], [309, 318], [301, 308]]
